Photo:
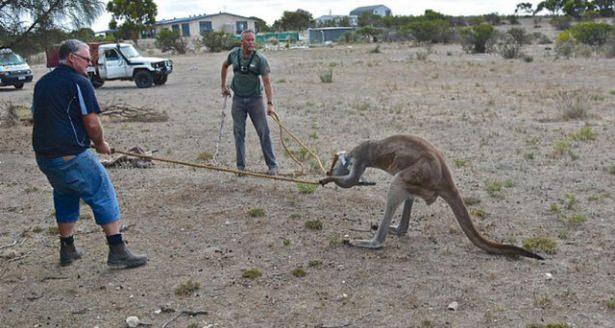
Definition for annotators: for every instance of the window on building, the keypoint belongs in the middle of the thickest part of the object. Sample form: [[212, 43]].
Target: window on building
[[175, 28], [241, 26], [186, 29], [205, 27]]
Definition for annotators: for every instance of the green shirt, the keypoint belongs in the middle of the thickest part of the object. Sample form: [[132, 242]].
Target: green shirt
[[247, 84]]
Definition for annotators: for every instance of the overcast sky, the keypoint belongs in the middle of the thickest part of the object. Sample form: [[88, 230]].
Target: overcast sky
[[270, 10]]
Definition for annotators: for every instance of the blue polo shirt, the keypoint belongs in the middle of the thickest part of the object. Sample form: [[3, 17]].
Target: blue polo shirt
[[62, 98]]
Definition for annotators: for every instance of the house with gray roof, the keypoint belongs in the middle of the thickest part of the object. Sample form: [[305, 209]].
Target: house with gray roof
[[380, 10]]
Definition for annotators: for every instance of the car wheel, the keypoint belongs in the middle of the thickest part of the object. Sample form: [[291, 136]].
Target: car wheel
[[144, 79], [18, 86], [160, 79]]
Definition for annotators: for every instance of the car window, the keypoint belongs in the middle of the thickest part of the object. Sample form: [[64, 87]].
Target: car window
[[11, 59], [130, 51], [111, 54]]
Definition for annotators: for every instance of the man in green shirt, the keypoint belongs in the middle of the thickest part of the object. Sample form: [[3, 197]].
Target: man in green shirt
[[249, 67]]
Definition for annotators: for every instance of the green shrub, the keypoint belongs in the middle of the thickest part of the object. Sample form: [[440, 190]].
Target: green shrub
[[187, 288], [513, 19], [541, 244], [168, 40], [609, 46], [509, 48], [251, 274], [349, 37], [326, 76], [585, 134], [256, 212], [561, 22], [435, 31], [573, 104], [593, 34], [478, 39], [519, 35], [306, 188], [217, 41], [299, 272], [313, 224]]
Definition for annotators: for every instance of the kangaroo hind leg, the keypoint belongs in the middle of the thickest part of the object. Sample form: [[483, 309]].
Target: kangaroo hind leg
[[396, 195], [404, 223]]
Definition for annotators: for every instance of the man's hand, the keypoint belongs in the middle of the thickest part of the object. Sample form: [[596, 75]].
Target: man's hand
[[270, 109], [103, 148], [226, 92]]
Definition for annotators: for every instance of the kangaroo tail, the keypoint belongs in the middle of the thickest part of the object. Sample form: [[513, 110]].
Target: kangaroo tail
[[455, 201]]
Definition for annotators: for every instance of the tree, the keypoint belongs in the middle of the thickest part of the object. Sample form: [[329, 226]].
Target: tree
[[554, 6], [524, 7], [136, 15], [369, 19], [19, 19], [576, 8], [606, 8], [294, 21], [261, 25], [168, 40]]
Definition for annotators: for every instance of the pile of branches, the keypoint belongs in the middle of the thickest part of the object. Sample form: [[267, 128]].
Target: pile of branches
[[128, 113]]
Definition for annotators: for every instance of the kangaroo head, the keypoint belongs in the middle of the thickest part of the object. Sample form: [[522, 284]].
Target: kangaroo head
[[341, 164]]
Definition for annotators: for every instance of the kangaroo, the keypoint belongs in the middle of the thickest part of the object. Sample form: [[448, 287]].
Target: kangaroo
[[418, 169]]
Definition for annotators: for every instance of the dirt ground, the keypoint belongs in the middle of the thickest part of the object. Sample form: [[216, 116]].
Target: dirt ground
[[499, 123]]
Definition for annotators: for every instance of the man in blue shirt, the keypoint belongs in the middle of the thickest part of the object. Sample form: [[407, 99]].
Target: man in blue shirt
[[64, 111]]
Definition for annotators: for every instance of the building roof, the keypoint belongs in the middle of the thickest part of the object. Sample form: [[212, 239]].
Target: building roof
[[194, 18], [360, 10]]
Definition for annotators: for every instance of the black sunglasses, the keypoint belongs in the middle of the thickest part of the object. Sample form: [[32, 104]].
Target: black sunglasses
[[87, 59]]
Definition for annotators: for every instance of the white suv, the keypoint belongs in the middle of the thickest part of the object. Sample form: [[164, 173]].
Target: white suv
[[13, 69]]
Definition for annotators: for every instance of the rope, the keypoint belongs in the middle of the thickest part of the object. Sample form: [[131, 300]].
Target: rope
[[276, 119], [216, 168], [215, 157]]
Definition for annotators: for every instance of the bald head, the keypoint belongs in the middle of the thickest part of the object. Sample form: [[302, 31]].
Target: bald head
[[247, 40]]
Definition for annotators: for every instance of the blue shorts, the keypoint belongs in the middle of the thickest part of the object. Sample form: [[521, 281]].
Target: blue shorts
[[82, 177]]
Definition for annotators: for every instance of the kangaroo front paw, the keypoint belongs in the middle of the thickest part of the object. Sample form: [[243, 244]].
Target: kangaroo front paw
[[395, 230], [370, 244]]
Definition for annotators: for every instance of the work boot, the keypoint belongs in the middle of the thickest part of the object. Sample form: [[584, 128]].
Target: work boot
[[121, 258], [272, 171], [68, 253]]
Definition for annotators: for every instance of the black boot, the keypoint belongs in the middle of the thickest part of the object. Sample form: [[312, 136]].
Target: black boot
[[121, 258], [68, 253]]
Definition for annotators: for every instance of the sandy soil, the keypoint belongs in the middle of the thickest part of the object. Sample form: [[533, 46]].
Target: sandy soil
[[494, 119]]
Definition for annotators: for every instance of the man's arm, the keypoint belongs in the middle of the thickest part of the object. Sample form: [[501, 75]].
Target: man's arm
[[225, 91], [94, 129], [268, 93]]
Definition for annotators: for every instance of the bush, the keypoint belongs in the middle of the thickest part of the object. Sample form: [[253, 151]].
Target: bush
[[609, 46], [509, 48], [168, 40], [326, 76], [493, 19], [478, 39], [513, 20], [519, 35], [561, 22], [593, 34], [436, 31], [218, 41], [348, 37]]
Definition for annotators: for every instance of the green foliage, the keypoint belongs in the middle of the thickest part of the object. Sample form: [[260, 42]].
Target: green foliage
[[256, 212], [314, 263], [541, 244], [251, 274], [585, 134], [575, 219], [561, 23], [326, 76], [593, 34], [306, 188], [260, 25], [493, 188], [299, 272], [135, 15], [519, 35], [168, 40], [478, 39], [26, 25], [313, 224], [187, 288], [610, 304], [509, 47], [294, 21], [611, 170], [217, 41], [431, 30], [349, 37], [370, 33]]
